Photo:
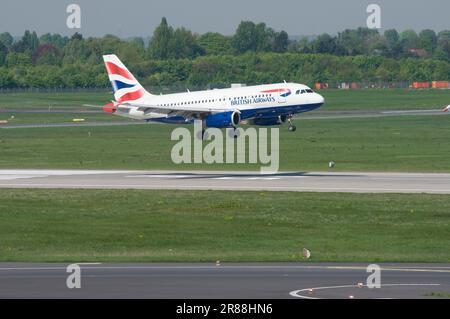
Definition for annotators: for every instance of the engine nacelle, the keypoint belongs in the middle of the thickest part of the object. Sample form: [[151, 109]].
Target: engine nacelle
[[269, 121], [223, 120]]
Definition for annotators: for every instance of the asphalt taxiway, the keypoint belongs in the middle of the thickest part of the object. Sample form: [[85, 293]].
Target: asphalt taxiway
[[223, 280], [317, 115], [351, 182]]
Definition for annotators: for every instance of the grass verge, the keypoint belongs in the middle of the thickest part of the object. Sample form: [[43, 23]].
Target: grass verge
[[138, 226], [407, 143]]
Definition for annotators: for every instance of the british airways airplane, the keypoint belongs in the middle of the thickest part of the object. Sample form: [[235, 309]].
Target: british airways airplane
[[263, 105]]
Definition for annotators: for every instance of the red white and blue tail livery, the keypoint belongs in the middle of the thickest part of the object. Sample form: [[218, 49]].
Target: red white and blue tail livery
[[269, 104], [126, 87]]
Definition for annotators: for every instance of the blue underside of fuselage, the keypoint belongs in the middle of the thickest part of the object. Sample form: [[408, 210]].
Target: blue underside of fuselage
[[269, 112]]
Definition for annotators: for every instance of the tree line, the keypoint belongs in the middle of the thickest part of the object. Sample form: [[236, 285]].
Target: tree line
[[254, 54]]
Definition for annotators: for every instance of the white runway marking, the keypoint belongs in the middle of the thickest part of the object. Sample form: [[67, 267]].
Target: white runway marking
[[158, 176], [411, 111], [247, 178], [55, 172], [296, 293], [11, 174], [102, 266], [352, 182], [6, 177], [191, 176]]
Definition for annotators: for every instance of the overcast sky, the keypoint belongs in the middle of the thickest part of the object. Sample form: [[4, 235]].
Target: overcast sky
[[127, 18]]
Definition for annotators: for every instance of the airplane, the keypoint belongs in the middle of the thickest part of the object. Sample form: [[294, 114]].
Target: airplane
[[261, 105], [446, 109]]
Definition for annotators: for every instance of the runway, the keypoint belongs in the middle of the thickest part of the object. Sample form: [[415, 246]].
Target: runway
[[222, 280], [317, 115], [350, 182]]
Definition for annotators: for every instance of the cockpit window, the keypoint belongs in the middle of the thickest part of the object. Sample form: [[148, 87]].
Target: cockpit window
[[297, 92], [303, 91], [309, 91]]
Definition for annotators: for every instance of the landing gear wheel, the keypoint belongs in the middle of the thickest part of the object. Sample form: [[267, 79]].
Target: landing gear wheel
[[234, 133], [291, 128], [203, 135]]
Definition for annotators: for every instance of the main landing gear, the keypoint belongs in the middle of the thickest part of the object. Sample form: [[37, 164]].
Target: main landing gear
[[292, 127], [202, 135], [234, 133]]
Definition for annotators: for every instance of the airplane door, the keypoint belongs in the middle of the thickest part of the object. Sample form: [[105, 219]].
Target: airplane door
[[224, 103], [283, 95], [282, 99]]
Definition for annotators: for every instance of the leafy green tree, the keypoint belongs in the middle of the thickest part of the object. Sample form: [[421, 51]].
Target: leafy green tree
[[76, 36], [445, 34], [3, 53], [55, 40], [245, 38], [394, 47], [428, 40], [76, 51], [303, 45], [28, 43], [258, 38], [168, 43], [281, 42], [18, 59], [159, 46], [392, 37], [6, 79], [183, 44], [138, 42], [264, 37], [215, 43], [324, 44], [410, 40], [46, 54], [357, 41], [443, 50], [7, 39]]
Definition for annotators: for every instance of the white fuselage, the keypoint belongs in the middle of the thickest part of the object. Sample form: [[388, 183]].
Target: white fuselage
[[247, 100]]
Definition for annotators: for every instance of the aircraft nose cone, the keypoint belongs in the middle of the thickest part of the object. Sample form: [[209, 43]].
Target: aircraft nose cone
[[320, 99]]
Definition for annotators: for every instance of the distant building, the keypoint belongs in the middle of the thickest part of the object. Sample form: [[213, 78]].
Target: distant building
[[421, 53]]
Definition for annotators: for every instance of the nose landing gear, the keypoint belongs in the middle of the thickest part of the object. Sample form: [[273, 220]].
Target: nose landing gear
[[292, 127]]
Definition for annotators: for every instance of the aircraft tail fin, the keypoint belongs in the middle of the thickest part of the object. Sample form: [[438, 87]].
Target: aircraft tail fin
[[125, 86]]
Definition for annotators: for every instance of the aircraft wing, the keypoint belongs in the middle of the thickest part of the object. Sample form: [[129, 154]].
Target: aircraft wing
[[186, 111]]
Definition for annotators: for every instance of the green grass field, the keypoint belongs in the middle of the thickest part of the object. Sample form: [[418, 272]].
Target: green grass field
[[335, 99], [95, 225], [133, 225], [14, 118], [383, 99], [408, 143], [69, 100]]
